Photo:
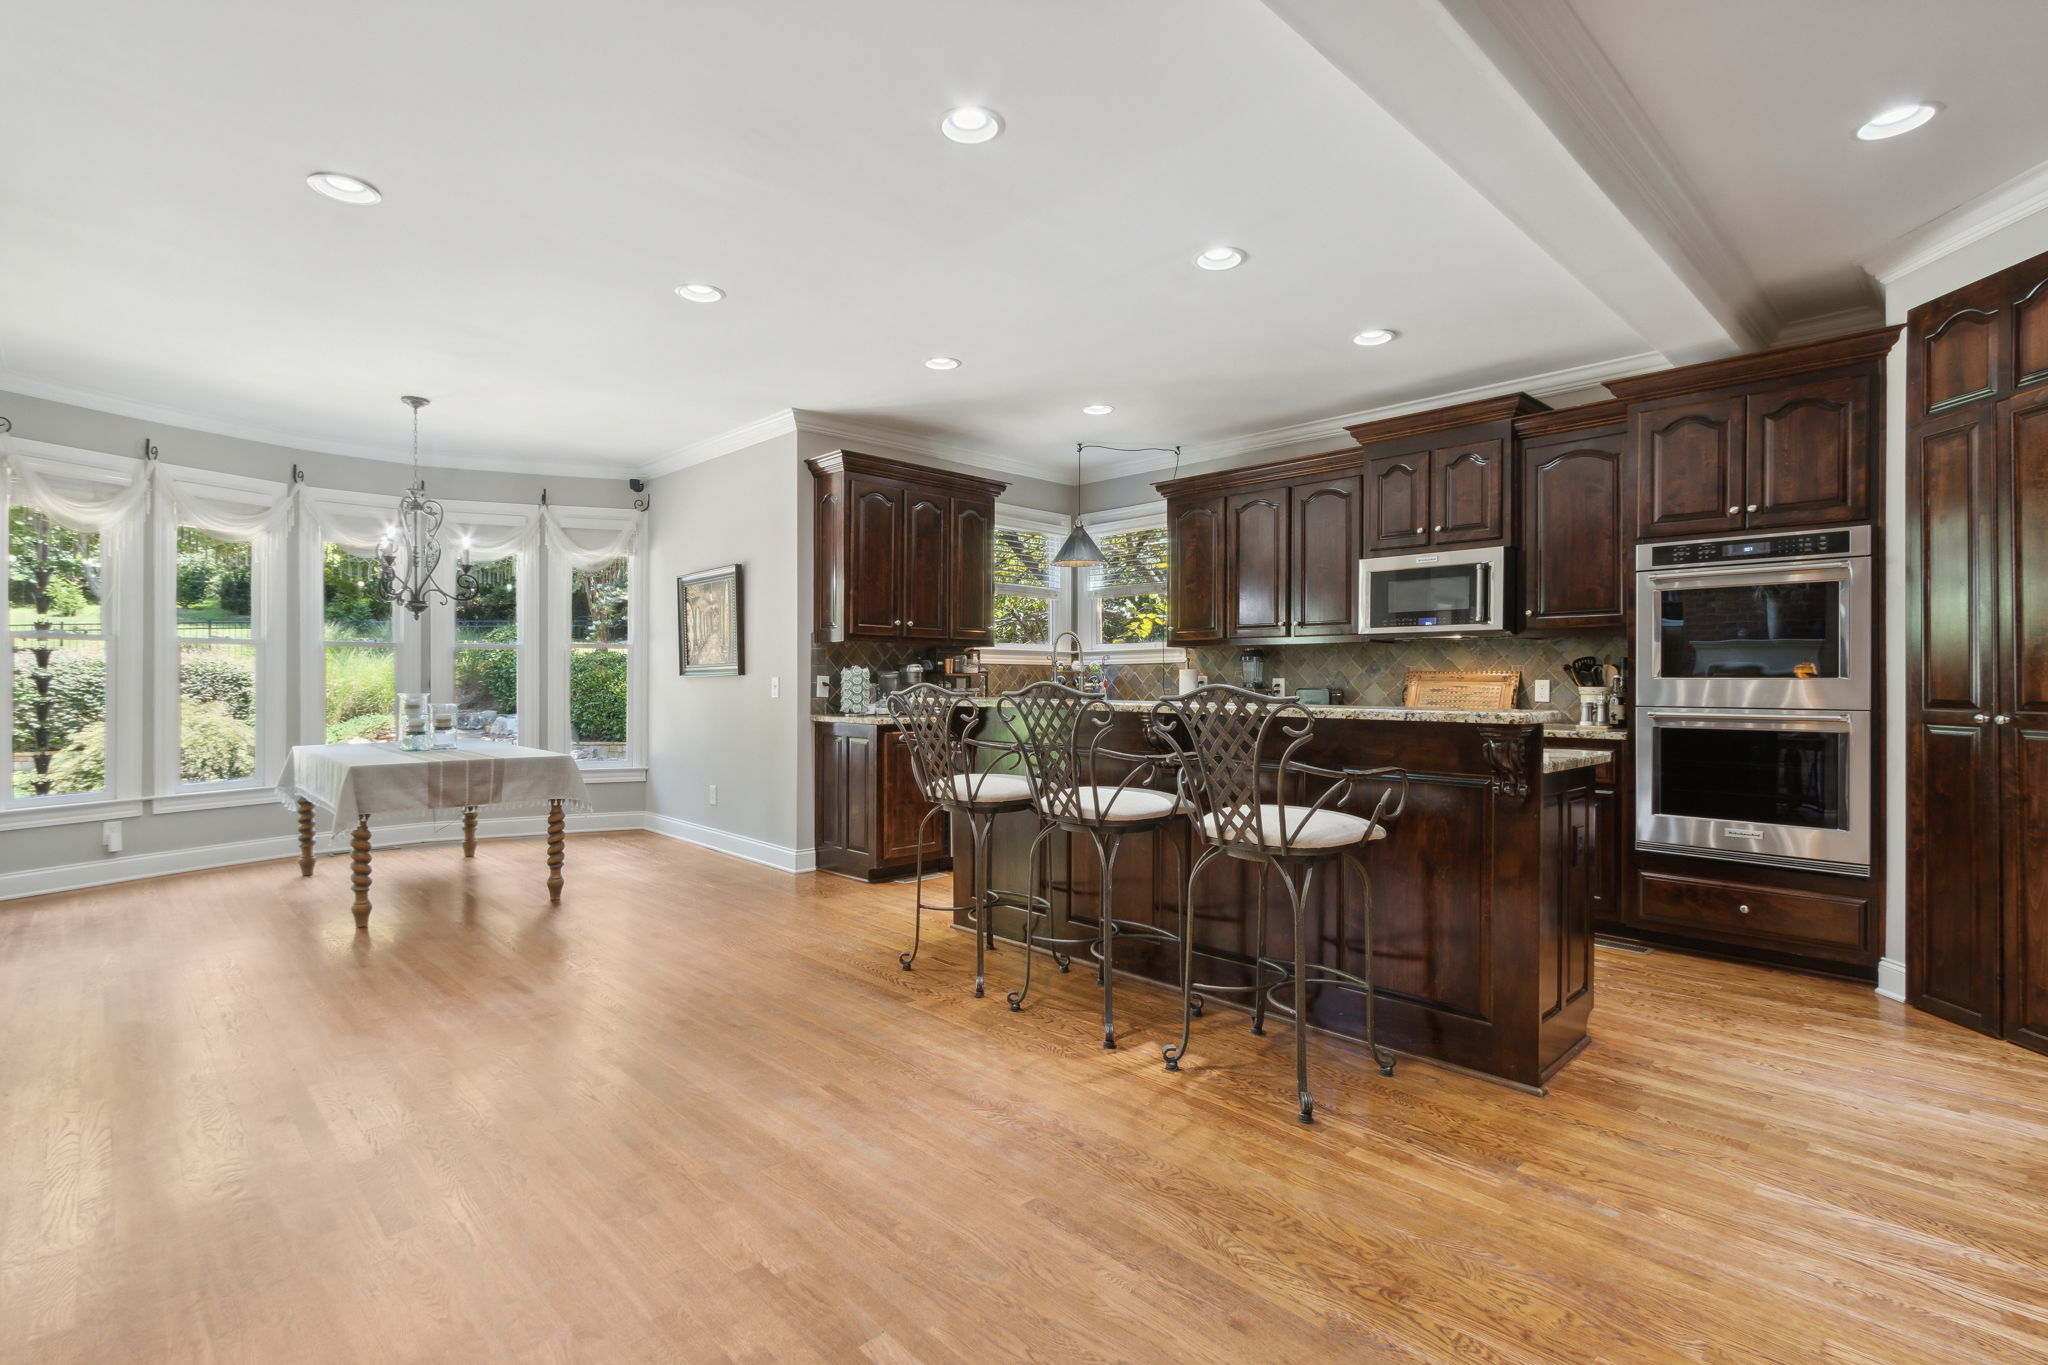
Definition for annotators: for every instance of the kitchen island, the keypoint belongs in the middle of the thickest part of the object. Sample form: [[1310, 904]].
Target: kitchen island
[[1483, 890]]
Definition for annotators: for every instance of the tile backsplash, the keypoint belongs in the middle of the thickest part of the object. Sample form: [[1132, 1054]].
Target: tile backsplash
[[1370, 674]]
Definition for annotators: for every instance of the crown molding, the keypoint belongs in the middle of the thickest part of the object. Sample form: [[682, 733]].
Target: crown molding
[[761, 429], [918, 443], [2021, 197], [1861, 318]]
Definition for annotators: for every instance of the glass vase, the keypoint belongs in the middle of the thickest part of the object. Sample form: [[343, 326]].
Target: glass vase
[[414, 720], [444, 724]]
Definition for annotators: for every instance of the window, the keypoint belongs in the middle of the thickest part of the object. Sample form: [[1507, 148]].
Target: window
[[57, 651], [1028, 594], [1125, 601], [360, 654], [600, 659], [219, 657], [487, 654]]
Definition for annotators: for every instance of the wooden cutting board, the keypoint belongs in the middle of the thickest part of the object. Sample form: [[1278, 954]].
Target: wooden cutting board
[[1461, 689]]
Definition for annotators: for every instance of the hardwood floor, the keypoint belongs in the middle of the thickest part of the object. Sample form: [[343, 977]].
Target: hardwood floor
[[698, 1114]]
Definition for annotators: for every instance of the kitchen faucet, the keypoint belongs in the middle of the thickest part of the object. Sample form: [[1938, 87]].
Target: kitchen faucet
[[1073, 664]]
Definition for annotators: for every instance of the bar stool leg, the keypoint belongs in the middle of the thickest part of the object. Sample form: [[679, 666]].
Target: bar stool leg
[[979, 825], [1034, 861], [1107, 862], [1295, 898], [1173, 1053], [1383, 1056], [904, 960], [1259, 956]]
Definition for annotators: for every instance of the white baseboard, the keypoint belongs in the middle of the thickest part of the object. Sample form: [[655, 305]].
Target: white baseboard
[[777, 856], [106, 871], [1891, 979]]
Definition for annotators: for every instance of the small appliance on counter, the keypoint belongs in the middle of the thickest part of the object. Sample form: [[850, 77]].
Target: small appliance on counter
[[856, 691], [1252, 669], [1319, 696]]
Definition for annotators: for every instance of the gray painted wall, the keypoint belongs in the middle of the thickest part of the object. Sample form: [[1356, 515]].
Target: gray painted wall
[[65, 424]]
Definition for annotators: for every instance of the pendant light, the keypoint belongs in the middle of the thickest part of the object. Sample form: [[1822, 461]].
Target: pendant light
[[1080, 551], [410, 551]]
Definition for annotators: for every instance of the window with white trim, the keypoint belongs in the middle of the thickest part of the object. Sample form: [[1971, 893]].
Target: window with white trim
[[487, 632], [1124, 598], [601, 662], [359, 649], [57, 635], [221, 654]]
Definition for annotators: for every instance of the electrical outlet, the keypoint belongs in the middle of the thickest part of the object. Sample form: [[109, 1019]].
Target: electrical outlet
[[714, 794], [775, 687], [822, 688], [110, 836], [1543, 689]]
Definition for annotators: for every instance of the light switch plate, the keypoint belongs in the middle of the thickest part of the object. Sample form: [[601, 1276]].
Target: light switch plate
[[1543, 689], [775, 687], [822, 688]]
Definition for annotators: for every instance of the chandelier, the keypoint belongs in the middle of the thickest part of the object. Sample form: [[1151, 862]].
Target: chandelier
[[410, 551]]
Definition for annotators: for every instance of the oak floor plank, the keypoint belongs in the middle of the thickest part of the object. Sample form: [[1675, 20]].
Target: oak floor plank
[[697, 1114]]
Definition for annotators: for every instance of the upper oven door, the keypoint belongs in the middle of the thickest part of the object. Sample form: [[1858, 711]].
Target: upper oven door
[[1787, 636], [1443, 592]]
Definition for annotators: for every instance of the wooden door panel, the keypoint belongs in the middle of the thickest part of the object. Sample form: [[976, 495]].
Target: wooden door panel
[[1953, 873], [971, 610], [2025, 1004], [927, 563], [1959, 358], [874, 580], [1468, 493], [2030, 331], [1574, 548], [901, 807], [1950, 494], [1397, 492], [1809, 453], [1690, 467], [1328, 524], [1195, 553], [1256, 564], [2023, 554]]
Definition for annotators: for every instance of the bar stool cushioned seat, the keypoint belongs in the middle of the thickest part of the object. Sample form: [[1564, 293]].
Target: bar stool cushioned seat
[[1303, 829], [1126, 803], [990, 789]]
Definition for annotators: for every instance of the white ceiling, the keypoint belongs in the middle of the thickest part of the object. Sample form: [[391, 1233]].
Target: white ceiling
[[551, 173]]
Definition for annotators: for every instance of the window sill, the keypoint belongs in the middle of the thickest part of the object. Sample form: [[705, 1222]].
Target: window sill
[[624, 772], [73, 813], [214, 800]]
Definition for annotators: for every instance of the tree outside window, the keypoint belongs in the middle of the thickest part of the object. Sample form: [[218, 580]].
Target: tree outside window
[[57, 656], [600, 623], [1128, 589], [1027, 586]]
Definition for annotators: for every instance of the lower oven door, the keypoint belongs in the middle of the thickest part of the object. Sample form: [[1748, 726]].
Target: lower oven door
[[1787, 788]]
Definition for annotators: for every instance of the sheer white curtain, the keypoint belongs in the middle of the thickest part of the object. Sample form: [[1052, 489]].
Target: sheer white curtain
[[589, 538], [575, 543]]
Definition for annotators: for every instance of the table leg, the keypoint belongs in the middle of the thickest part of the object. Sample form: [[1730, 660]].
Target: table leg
[[555, 851], [469, 831], [359, 866], [305, 837]]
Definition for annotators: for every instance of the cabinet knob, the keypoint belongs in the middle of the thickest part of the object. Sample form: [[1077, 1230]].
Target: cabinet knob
[[1735, 511], [1980, 717], [1750, 508], [2001, 720], [1439, 528], [1418, 530], [1743, 908]]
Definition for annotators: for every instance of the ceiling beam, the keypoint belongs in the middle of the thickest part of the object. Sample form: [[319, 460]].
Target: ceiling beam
[[1515, 97]]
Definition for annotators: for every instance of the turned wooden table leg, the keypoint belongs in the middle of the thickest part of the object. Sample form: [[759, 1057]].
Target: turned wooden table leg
[[469, 831], [555, 851], [305, 837], [359, 867]]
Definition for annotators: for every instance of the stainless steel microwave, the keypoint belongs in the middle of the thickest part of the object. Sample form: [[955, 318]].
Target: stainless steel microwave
[[1439, 592]]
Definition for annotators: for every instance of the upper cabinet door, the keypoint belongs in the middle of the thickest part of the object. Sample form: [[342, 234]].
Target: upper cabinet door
[[1328, 523], [874, 558], [1690, 475], [1468, 493], [1397, 487], [927, 563], [973, 578], [1810, 454], [2030, 331], [1194, 531], [1255, 525], [1575, 573]]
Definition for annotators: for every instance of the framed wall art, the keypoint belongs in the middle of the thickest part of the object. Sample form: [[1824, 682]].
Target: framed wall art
[[710, 622]]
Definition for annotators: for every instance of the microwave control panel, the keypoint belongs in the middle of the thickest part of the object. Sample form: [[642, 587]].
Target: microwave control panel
[[1753, 547]]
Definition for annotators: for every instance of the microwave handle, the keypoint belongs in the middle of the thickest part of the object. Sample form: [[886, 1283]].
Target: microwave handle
[[1748, 720], [1746, 570]]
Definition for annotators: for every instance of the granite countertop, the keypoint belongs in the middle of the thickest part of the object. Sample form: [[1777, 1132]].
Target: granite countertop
[[1565, 760], [1543, 717], [1614, 734]]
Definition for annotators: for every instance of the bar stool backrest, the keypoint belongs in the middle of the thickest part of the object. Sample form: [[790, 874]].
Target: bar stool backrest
[[1221, 734], [935, 724], [1060, 732]]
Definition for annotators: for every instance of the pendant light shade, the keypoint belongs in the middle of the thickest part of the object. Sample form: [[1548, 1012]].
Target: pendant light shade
[[1080, 550]]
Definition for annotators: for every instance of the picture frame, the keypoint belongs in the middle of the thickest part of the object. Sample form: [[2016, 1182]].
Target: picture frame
[[711, 623]]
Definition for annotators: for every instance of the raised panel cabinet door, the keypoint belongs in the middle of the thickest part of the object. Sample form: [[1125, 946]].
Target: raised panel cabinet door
[[1952, 872], [1960, 353], [1468, 493], [2030, 324], [1575, 573], [854, 772], [1810, 453], [828, 581], [973, 607], [1255, 564], [2022, 717], [927, 563], [1194, 540], [1397, 501], [874, 558], [1328, 524], [1689, 473], [901, 807]]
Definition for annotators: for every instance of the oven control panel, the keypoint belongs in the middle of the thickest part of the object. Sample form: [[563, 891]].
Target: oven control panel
[[1751, 547]]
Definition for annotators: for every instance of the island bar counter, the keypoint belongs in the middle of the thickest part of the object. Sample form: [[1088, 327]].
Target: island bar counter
[[1482, 894]]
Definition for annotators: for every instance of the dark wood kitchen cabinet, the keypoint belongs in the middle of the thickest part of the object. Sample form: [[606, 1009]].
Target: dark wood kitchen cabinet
[[870, 812], [1575, 532], [1277, 562], [1194, 553], [1399, 487], [903, 552], [1977, 655], [1256, 563], [1773, 439], [1453, 495], [1326, 525]]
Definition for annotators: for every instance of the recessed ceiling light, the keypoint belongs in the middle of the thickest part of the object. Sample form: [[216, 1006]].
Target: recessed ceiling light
[[1098, 409], [700, 293], [942, 362], [346, 188], [1374, 336], [1902, 118], [970, 123], [1220, 258]]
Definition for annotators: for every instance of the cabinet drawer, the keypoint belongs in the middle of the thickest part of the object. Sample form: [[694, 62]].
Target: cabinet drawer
[[1795, 921]]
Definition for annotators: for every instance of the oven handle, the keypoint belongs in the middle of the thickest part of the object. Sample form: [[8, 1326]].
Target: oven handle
[[1838, 569], [1750, 720]]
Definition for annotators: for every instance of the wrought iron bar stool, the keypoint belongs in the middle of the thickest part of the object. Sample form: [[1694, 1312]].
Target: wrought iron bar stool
[[1222, 735], [1076, 786], [938, 728]]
